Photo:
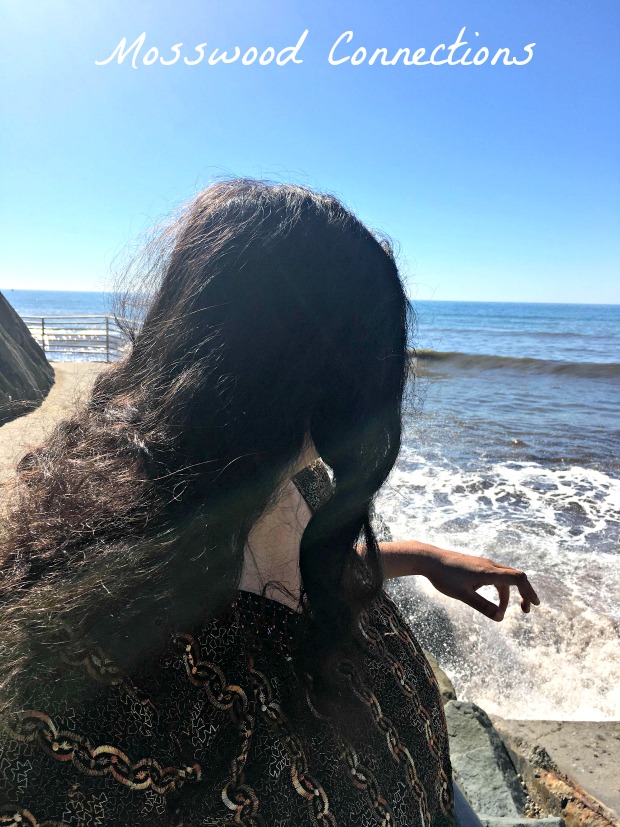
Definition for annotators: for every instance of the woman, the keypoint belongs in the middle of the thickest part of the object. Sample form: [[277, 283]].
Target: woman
[[184, 641]]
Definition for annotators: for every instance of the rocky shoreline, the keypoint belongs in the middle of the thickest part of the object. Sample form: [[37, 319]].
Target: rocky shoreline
[[513, 772]]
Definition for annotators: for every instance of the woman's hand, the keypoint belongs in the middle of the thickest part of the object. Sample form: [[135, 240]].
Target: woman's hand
[[459, 575]]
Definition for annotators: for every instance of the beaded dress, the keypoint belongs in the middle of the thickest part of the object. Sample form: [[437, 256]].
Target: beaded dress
[[222, 732]]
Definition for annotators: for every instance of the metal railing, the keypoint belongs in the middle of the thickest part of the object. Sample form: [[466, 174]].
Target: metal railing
[[63, 338]]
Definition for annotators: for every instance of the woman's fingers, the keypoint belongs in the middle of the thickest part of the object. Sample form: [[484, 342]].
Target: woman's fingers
[[486, 607], [503, 580], [513, 577], [504, 597], [459, 575]]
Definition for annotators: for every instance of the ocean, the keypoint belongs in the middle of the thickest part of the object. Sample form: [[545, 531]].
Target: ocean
[[511, 451]]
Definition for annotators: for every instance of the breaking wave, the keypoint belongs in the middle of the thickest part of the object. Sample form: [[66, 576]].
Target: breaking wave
[[454, 360], [560, 525]]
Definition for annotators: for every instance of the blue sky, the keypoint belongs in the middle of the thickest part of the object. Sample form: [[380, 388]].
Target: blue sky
[[498, 182]]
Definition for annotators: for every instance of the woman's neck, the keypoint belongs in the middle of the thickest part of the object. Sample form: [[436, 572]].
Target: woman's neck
[[271, 558]]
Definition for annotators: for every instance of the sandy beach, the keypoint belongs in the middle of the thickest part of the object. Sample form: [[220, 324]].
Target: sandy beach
[[72, 382]]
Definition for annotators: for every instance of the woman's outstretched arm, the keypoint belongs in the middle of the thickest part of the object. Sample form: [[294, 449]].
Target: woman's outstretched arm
[[455, 575], [458, 575]]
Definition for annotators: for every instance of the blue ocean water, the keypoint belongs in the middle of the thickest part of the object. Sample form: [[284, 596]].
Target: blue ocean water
[[564, 332], [58, 302], [511, 451]]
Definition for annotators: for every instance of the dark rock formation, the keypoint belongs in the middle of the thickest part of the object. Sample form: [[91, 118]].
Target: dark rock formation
[[521, 821], [25, 374], [552, 757], [446, 687], [481, 764]]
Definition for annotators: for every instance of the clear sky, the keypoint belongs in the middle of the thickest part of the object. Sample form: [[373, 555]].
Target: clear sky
[[499, 182]]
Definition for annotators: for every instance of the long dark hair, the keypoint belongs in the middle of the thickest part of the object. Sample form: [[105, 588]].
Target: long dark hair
[[275, 313]]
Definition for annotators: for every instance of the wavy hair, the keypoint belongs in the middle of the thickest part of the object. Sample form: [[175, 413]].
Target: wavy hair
[[273, 312]]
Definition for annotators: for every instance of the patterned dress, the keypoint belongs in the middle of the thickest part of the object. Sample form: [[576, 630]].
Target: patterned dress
[[222, 732]]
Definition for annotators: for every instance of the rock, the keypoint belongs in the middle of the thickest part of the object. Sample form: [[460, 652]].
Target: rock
[[540, 749], [446, 686], [508, 821], [25, 374], [481, 765]]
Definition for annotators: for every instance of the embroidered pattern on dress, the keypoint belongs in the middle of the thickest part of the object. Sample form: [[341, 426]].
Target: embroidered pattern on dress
[[303, 782], [236, 795], [276, 768], [398, 750], [12, 815], [67, 746], [104, 670], [376, 645], [363, 779]]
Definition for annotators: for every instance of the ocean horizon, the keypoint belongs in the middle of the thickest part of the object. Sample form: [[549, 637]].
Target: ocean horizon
[[511, 450]]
